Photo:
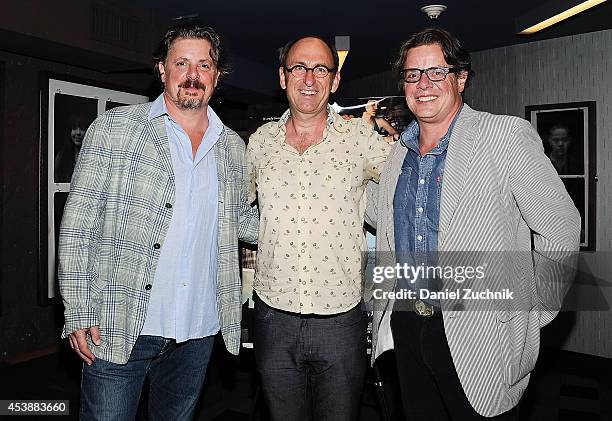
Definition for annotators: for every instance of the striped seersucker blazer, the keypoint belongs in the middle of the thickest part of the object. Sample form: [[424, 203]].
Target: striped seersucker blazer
[[500, 197], [116, 217]]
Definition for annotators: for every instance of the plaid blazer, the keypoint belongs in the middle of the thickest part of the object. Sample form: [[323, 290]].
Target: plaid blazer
[[115, 221]]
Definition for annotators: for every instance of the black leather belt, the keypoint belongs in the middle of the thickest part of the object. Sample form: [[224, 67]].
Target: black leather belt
[[419, 307], [424, 310]]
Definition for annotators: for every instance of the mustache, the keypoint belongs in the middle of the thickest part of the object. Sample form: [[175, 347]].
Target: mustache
[[192, 83]]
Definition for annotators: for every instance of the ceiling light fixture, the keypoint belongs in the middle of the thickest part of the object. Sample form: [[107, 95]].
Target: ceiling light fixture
[[343, 45], [566, 12], [433, 10]]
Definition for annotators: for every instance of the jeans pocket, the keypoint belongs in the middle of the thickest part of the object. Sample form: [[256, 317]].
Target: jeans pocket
[[352, 317], [263, 311]]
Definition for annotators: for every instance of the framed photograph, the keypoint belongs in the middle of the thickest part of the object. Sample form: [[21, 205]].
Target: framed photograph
[[568, 134], [68, 107]]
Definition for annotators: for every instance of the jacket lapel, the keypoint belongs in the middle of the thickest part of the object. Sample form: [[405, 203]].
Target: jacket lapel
[[393, 173], [458, 160], [157, 131], [220, 149]]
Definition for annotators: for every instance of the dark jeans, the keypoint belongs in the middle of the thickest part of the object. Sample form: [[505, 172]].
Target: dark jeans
[[429, 384], [176, 373], [302, 356]]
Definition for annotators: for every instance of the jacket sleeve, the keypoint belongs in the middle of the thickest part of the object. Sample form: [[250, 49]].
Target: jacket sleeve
[[371, 213], [376, 151], [248, 227], [81, 226], [551, 215]]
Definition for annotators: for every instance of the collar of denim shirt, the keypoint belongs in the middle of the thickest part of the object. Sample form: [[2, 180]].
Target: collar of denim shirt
[[410, 137]]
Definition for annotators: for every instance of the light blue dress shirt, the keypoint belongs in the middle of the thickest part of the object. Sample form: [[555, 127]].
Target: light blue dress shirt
[[183, 303]]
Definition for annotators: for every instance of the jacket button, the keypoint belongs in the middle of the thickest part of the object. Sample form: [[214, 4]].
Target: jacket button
[[168, 205], [148, 287], [156, 246]]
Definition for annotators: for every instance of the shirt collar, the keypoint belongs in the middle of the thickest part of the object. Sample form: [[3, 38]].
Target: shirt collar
[[158, 109], [334, 120], [410, 136]]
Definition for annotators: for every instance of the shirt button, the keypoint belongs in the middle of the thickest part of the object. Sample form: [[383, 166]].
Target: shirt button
[[419, 237], [420, 209], [156, 246], [422, 181], [148, 287], [168, 205]]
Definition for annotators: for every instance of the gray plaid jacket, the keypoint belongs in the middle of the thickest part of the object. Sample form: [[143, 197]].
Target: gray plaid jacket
[[115, 221]]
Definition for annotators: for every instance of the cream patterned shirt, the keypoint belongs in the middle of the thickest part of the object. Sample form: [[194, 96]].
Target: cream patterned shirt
[[309, 257]]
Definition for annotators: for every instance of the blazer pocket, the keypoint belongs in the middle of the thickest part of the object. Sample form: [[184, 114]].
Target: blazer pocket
[[506, 315], [516, 348]]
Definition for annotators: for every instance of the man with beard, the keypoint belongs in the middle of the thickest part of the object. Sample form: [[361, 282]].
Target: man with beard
[[148, 261], [310, 170]]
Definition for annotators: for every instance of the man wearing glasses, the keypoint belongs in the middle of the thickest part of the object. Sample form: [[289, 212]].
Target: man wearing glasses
[[475, 190], [309, 171]]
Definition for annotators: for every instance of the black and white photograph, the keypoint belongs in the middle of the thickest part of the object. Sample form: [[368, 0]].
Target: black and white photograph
[[112, 104], [68, 108], [568, 135], [73, 115], [563, 133]]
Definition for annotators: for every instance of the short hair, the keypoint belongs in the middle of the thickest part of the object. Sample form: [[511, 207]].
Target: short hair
[[558, 126], [454, 53], [192, 30], [283, 52]]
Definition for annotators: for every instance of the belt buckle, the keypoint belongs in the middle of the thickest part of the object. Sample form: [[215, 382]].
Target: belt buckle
[[423, 309]]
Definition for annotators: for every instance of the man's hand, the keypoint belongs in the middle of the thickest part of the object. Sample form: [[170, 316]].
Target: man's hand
[[79, 344]]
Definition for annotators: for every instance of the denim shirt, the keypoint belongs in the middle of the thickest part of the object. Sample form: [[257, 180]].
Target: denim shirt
[[416, 207]]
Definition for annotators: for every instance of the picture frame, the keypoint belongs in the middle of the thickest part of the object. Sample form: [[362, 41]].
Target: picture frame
[[568, 132], [67, 107]]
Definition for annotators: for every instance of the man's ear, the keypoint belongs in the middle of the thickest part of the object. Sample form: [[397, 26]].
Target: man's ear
[[335, 82], [162, 71], [281, 78], [462, 79]]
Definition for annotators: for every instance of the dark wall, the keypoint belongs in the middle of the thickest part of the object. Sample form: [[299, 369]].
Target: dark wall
[[26, 328]]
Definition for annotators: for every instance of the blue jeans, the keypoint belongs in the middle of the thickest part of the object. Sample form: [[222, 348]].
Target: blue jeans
[[310, 364], [176, 373]]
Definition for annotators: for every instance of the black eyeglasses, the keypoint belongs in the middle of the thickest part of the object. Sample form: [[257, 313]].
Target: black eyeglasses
[[319, 71], [435, 74]]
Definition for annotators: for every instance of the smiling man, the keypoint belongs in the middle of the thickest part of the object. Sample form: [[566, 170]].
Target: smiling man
[[466, 183], [148, 246], [309, 171]]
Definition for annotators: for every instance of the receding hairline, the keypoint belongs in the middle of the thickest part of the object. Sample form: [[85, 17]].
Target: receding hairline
[[311, 38]]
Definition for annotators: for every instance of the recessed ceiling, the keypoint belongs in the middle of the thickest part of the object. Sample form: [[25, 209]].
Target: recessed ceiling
[[256, 29]]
